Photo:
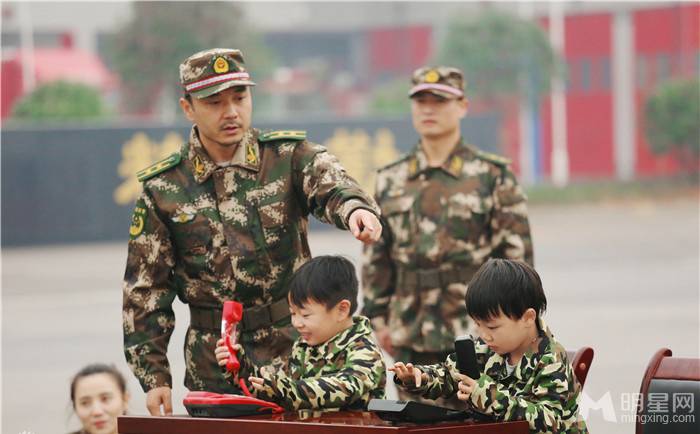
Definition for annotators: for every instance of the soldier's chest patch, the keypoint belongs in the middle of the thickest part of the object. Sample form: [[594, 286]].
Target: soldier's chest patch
[[183, 217]]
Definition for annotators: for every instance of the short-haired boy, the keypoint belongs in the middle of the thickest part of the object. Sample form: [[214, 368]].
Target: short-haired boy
[[525, 374], [335, 363]]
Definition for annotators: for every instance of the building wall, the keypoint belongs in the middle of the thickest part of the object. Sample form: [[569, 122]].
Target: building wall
[[667, 45], [587, 50]]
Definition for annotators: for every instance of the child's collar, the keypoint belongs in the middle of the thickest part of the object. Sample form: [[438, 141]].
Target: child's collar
[[360, 326], [545, 335]]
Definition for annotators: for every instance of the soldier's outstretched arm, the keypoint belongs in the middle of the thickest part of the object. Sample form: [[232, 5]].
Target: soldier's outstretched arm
[[379, 285], [365, 226], [325, 188], [148, 318], [510, 226]]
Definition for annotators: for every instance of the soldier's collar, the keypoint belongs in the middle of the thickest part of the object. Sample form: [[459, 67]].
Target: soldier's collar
[[247, 155], [202, 164], [418, 162]]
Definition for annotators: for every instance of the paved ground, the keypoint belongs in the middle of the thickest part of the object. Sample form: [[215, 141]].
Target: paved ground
[[621, 277]]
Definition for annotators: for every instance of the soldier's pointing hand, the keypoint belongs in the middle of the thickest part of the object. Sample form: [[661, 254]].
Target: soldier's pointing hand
[[365, 226]]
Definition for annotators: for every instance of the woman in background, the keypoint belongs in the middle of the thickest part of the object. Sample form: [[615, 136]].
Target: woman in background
[[99, 396]]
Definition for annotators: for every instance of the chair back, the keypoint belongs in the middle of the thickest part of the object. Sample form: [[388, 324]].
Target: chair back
[[669, 397], [581, 360]]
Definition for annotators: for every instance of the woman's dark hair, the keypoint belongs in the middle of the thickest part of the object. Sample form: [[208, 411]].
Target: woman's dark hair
[[504, 285], [97, 368], [326, 280]]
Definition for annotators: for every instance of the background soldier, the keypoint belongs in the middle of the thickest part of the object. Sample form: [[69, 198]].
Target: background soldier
[[447, 207], [226, 219]]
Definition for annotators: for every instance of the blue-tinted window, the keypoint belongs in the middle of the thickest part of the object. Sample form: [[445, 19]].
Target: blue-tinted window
[[586, 76], [663, 67], [605, 73], [641, 70], [569, 74]]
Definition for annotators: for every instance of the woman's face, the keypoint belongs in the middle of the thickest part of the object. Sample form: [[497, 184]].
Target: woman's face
[[98, 402]]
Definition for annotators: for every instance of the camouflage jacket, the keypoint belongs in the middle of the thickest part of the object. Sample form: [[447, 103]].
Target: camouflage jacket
[[344, 372], [209, 234], [541, 390], [446, 221]]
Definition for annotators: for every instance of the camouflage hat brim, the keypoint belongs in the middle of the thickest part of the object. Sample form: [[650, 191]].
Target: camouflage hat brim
[[209, 91], [442, 90]]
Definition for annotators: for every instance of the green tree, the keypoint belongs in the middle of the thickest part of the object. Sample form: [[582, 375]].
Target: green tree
[[497, 51], [60, 100], [147, 50], [391, 99], [672, 124]]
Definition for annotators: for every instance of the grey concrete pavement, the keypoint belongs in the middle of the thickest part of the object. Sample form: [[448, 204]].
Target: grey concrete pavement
[[621, 277]]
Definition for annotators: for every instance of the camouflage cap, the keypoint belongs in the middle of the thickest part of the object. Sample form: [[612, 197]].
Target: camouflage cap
[[211, 71], [444, 81]]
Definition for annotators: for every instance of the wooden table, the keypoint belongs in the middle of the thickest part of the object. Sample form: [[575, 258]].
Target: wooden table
[[307, 422]]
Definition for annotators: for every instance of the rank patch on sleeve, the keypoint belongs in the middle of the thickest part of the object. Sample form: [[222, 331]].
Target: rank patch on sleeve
[[138, 221]]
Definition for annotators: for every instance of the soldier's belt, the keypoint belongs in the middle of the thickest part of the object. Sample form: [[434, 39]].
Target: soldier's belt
[[254, 318], [433, 277]]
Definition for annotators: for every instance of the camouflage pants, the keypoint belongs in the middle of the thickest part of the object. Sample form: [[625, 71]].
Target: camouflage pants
[[404, 354], [262, 347]]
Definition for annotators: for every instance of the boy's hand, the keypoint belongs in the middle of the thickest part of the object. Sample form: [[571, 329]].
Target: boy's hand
[[257, 383], [408, 374], [221, 352], [465, 387]]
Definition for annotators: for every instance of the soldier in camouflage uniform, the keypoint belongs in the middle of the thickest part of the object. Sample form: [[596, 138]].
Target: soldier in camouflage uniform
[[525, 372], [446, 208], [226, 219], [335, 363]]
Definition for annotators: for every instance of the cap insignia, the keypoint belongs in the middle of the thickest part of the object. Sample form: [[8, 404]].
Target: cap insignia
[[432, 76], [220, 65]]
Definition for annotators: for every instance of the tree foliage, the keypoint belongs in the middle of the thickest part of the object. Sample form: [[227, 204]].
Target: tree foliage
[[60, 100], [672, 117], [497, 51], [147, 50], [391, 99]]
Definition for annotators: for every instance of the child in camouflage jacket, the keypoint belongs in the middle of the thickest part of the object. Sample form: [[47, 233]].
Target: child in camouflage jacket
[[335, 363], [525, 374]]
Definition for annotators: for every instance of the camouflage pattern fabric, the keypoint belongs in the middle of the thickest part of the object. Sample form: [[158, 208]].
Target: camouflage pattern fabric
[[423, 358], [345, 372], [444, 81], [449, 220], [208, 234], [541, 390], [211, 71]]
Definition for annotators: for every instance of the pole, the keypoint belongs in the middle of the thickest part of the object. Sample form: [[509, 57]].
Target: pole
[[560, 153]]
